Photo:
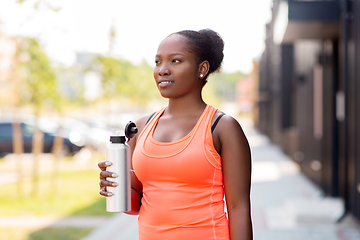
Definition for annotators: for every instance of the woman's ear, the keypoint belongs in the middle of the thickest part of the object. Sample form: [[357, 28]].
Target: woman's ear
[[204, 69]]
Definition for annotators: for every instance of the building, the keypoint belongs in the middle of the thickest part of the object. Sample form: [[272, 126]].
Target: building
[[91, 80], [309, 85], [247, 93]]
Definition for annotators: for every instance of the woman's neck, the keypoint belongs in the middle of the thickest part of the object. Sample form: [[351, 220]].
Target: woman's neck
[[180, 107]]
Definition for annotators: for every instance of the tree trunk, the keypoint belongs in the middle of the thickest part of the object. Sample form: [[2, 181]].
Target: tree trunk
[[18, 150], [37, 149], [57, 151]]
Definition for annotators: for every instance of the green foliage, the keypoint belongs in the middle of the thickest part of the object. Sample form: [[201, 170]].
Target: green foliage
[[121, 79], [71, 90], [210, 94], [40, 82], [225, 84], [226, 78]]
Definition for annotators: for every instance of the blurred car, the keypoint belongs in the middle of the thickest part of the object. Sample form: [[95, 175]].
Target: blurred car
[[79, 133], [27, 130]]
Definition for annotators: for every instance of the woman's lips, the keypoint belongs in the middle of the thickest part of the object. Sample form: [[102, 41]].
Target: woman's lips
[[165, 83]]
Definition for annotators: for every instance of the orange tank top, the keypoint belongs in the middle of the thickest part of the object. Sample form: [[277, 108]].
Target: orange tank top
[[183, 196]]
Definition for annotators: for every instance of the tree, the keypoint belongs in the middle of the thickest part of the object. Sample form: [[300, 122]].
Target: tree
[[225, 84], [41, 85], [123, 80]]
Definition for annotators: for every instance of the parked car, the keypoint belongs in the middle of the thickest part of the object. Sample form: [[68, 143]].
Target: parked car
[[27, 130], [79, 132]]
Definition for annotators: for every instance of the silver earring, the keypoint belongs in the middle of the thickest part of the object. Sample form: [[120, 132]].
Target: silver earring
[[201, 75]]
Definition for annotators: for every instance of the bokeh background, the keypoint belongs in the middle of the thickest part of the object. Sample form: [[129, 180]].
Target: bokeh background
[[72, 73]]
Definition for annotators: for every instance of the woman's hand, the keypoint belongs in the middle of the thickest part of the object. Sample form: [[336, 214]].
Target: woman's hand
[[103, 178], [136, 186]]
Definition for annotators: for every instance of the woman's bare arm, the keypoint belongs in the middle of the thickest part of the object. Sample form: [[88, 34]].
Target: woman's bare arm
[[236, 164]]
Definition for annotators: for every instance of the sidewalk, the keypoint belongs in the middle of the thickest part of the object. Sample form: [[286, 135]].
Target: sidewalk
[[285, 204]]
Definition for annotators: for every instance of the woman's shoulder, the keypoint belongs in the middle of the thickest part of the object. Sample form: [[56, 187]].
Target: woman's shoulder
[[225, 123], [141, 122], [224, 117], [227, 132]]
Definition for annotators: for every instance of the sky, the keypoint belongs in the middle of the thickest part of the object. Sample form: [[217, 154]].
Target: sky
[[140, 25]]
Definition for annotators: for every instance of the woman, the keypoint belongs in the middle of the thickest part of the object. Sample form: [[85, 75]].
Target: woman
[[189, 154]]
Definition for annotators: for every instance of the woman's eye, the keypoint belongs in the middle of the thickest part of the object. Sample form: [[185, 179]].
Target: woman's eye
[[157, 62], [176, 60]]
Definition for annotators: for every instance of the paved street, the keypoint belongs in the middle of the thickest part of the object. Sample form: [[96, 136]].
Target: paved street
[[285, 204]]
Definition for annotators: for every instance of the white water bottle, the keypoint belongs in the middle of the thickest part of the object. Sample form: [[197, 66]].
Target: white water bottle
[[116, 153]]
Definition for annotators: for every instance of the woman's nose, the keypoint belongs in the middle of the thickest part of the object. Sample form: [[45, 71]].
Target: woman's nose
[[164, 70]]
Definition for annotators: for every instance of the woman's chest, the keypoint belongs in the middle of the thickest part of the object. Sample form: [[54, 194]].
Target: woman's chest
[[171, 130]]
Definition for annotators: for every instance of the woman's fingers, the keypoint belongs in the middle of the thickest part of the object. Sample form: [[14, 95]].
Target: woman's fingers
[[104, 175], [105, 193], [107, 174], [104, 164], [103, 184]]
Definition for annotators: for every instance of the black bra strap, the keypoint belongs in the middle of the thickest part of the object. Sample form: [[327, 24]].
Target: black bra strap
[[216, 122], [150, 117]]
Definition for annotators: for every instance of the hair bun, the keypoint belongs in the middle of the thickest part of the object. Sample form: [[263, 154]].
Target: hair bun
[[217, 48]]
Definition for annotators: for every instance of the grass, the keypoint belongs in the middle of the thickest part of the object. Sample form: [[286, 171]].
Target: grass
[[49, 233], [15, 233], [60, 233], [70, 193]]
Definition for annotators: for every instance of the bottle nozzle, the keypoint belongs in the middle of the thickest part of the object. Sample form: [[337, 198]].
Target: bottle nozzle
[[130, 130]]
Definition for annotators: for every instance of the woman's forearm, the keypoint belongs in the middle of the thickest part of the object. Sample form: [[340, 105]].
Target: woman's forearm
[[240, 224], [135, 202]]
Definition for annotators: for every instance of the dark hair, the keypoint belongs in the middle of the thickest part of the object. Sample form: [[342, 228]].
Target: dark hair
[[207, 45]]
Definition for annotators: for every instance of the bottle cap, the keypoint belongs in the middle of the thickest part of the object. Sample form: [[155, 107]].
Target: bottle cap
[[117, 139]]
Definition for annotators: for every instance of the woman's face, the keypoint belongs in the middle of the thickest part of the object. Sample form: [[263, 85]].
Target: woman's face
[[176, 72]]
